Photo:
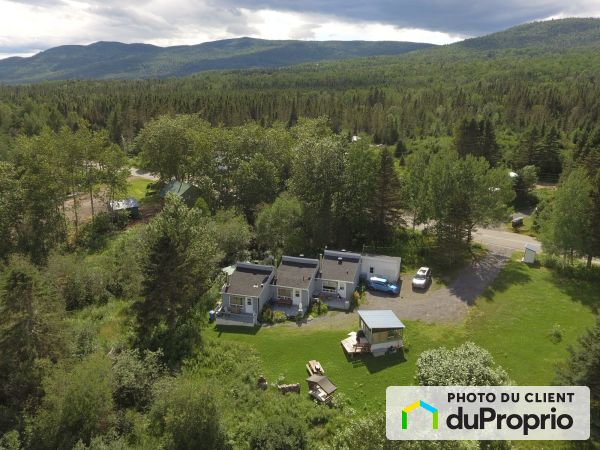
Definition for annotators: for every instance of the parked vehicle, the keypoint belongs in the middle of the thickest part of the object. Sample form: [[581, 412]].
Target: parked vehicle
[[422, 278], [382, 285]]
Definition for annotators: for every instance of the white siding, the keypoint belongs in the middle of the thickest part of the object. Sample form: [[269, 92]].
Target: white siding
[[385, 266]]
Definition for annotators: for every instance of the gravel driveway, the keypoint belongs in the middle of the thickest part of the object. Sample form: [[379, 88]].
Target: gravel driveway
[[447, 303]]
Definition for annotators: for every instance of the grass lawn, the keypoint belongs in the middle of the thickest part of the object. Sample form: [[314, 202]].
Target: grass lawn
[[136, 188], [526, 229], [512, 320]]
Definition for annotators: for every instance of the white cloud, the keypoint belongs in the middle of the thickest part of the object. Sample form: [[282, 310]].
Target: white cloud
[[27, 25]]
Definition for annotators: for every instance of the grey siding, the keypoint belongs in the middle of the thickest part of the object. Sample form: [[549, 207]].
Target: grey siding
[[265, 295], [305, 300], [225, 299]]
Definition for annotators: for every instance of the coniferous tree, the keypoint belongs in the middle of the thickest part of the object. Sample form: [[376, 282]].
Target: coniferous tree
[[179, 265], [582, 368], [30, 336], [386, 203]]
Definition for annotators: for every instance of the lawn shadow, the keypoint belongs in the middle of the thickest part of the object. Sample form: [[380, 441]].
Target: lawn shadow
[[236, 330], [494, 274], [585, 292], [377, 364]]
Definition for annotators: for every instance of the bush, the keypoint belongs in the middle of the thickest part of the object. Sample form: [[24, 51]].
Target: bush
[[577, 270], [266, 315], [134, 376], [467, 365], [279, 316], [93, 234], [555, 334], [318, 308], [185, 414], [79, 283]]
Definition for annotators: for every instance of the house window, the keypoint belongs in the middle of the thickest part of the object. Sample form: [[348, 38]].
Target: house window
[[284, 293], [371, 269], [330, 286], [341, 287], [249, 301], [393, 334], [236, 300], [297, 294]]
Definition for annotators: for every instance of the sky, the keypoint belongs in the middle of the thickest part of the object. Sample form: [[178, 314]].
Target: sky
[[30, 26]]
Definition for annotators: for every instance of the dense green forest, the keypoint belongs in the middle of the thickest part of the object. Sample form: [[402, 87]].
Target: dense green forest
[[104, 340], [530, 89]]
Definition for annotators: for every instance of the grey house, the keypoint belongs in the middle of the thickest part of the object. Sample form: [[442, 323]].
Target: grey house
[[244, 295], [338, 278], [294, 284]]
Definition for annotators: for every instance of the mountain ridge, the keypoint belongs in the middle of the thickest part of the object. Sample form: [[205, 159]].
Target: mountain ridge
[[115, 60], [104, 60]]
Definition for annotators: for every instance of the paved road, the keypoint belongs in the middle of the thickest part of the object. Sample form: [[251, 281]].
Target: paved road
[[504, 242]]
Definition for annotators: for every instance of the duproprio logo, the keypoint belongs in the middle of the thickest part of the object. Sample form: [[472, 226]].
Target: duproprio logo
[[425, 406]]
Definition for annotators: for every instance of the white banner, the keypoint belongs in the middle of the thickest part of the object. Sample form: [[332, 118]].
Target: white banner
[[488, 413]]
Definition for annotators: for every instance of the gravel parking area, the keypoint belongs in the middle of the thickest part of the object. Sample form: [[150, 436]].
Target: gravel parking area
[[445, 304]]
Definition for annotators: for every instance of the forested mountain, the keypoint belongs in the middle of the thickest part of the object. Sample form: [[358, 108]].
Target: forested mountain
[[115, 60], [552, 35]]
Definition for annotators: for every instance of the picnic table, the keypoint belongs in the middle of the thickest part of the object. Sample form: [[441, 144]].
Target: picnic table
[[314, 367]]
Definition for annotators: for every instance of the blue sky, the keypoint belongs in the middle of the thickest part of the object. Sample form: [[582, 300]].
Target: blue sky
[[29, 26]]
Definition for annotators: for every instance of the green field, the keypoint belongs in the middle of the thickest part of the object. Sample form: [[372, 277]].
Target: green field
[[512, 320], [136, 188]]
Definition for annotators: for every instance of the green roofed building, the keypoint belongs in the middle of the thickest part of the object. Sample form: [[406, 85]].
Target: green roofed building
[[188, 192]]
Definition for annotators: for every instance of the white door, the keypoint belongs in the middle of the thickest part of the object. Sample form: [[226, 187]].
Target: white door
[[297, 297], [249, 306]]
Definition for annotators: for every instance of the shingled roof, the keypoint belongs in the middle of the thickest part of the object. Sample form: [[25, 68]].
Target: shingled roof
[[248, 279], [339, 266], [296, 272]]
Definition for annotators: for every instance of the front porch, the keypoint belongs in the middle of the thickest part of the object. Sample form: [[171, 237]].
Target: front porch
[[334, 301], [285, 306], [237, 319]]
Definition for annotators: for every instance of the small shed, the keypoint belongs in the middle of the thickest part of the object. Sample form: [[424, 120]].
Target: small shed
[[130, 205], [529, 256], [382, 330], [321, 388], [188, 192]]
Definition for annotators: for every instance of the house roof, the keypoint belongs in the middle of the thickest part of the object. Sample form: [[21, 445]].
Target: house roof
[[176, 187], [119, 205], [395, 259], [324, 382], [296, 272], [248, 279], [339, 266], [531, 247], [380, 318]]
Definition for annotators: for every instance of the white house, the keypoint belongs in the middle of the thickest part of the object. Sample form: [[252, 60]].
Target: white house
[[338, 278], [244, 295], [377, 265]]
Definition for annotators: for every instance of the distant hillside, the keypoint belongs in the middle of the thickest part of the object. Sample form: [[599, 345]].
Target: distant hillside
[[550, 35], [114, 60]]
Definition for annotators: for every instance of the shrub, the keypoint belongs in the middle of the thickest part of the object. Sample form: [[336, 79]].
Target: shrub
[[266, 315], [577, 270], [93, 234], [555, 334], [318, 308], [467, 365], [79, 282], [134, 375], [279, 316]]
